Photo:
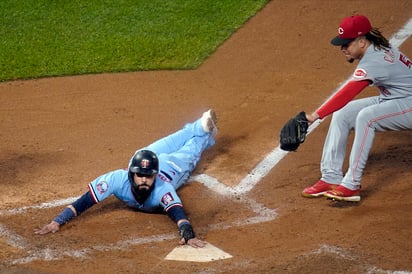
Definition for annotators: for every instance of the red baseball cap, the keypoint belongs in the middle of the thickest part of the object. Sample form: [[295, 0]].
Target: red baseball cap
[[351, 28]]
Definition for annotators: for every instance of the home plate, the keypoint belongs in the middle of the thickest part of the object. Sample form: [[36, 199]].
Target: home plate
[[191, 254]]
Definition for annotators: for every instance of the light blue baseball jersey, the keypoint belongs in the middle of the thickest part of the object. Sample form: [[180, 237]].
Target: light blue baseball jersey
[[117, 183]]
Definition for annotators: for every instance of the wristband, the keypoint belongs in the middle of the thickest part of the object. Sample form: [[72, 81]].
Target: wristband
[[66, 215]]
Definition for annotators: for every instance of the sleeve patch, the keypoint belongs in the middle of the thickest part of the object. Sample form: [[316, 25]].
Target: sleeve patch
[[102, 187], [359, 74], [167, 198]]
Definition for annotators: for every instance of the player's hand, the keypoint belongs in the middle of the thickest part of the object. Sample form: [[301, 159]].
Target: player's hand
[[312, 117], [52, 227], [194, 242]]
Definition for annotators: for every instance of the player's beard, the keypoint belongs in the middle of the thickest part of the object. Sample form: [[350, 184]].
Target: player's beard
[[351, 60], [141, 194]]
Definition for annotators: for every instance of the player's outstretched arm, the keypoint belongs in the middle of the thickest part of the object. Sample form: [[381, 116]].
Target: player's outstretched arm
[[68, 213], [52, 227], [73, 210], [177, 214]]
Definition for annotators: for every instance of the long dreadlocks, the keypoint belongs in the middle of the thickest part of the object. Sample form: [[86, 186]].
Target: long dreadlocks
[[377, 39]]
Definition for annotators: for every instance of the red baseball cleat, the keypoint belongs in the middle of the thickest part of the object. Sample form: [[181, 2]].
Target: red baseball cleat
[[318, 189], [342, 193]]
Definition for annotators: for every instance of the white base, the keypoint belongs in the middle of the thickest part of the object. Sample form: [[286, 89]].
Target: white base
[[191, 254]]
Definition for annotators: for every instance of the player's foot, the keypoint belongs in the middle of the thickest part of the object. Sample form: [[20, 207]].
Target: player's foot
[[342, 193], [318, 189], [209, 121]]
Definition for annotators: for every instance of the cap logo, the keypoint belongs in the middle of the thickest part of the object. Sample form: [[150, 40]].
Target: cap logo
[[144, 163], [340, 30]]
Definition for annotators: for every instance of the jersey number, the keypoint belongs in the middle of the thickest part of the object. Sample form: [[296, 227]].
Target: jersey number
[[405, 60]]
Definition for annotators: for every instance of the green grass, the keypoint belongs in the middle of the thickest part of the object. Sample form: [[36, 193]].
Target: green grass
[[42, 38]]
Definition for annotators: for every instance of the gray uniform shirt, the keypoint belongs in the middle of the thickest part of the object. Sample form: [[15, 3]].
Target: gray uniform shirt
[[389, 70]]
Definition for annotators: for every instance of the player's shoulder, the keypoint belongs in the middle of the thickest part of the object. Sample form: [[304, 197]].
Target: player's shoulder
[[164, 193], [162, 188], [116, 178], [161, 185], [119, 174]]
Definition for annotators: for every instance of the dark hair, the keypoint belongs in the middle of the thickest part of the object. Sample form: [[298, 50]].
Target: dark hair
[[377, 39]]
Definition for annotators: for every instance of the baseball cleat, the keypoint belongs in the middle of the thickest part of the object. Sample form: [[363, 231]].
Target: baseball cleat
[[318, 189], [209, 121], [342, 193]]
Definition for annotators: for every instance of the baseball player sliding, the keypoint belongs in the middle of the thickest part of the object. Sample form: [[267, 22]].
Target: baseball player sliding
[[152, 178], [380, 65]]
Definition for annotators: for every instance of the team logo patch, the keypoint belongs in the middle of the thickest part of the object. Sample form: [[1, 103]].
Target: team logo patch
[[167, 198], [102, 187], [359, 73]]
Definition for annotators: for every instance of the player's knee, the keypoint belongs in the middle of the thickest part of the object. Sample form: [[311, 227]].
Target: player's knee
[[366, 117], [342, 116]]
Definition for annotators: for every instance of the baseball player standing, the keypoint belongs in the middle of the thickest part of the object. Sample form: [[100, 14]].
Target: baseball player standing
[[150, 182], [380, 65]]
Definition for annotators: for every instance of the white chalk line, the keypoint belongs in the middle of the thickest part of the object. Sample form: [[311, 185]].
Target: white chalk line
[[402, 35], [12, 238], [49, 254], [245, 185], [51, 204], [347, 254]]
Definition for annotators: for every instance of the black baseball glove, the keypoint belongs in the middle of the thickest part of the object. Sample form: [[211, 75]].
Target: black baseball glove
[[294, 132]]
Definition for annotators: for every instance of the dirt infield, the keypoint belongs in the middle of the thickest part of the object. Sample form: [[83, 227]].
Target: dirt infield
[[57, 134]]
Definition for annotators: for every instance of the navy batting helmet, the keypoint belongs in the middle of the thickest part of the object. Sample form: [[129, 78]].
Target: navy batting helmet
[[144, 162]]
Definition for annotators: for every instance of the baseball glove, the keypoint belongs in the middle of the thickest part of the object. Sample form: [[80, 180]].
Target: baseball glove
[[294, 132]]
